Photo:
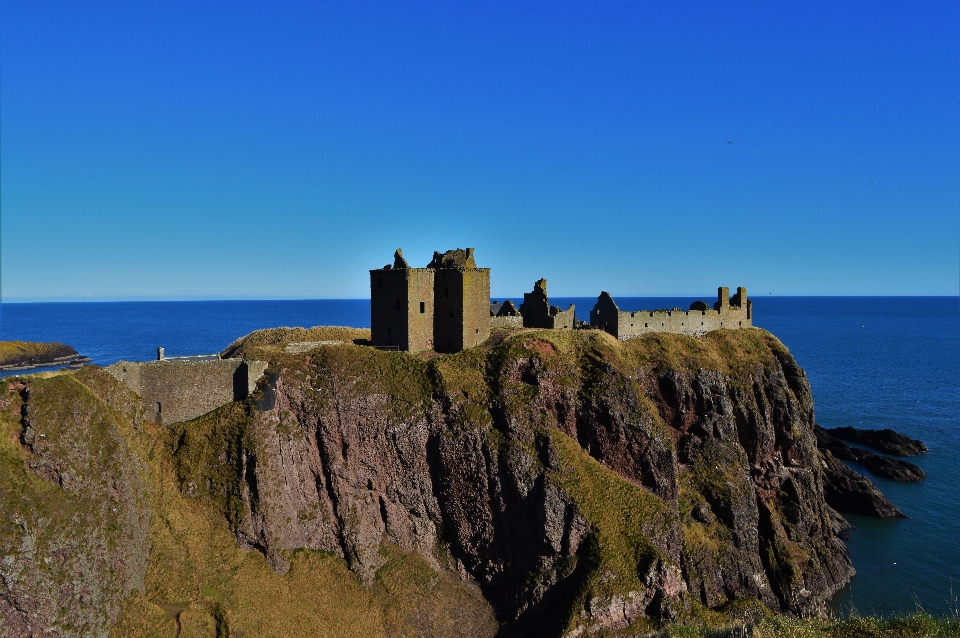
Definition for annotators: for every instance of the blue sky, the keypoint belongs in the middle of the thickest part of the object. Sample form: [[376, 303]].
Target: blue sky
[[280, 150]]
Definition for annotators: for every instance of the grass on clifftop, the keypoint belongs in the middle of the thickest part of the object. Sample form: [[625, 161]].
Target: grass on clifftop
[[32, 352], [264, 343]]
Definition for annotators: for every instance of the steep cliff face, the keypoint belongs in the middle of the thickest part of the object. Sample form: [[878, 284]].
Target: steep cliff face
[[75, 503], [582, 482], [562, 481]]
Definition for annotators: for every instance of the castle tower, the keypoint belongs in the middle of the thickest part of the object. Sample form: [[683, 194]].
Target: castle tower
[[740, 299], [402, 306], [723, 299], [461, 301]]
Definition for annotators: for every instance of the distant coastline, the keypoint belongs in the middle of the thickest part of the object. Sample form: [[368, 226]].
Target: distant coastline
[[29, 355]]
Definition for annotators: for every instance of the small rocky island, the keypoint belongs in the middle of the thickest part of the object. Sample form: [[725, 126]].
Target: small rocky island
[[29, 355]]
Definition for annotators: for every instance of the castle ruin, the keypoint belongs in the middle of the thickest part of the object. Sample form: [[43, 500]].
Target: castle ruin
[[443, 307], [538, 313], [177, 389], [699, 319], [446, 307]]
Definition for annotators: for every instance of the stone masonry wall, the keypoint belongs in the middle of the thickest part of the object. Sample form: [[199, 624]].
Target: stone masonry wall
[[462, 308], [179, 390], [476, 306], [402, 308], [563, 318], [538, 313], [515, 321], [625, 325]]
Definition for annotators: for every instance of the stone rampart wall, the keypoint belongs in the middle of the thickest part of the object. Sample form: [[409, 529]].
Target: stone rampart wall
[[514, 321], [606, 315], [180, 390], [564, 318], [691, 322]]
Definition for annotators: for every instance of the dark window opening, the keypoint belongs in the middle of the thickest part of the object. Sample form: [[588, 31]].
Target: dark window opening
[[446, 292], [158, 407], [423, 307], [478, 330]]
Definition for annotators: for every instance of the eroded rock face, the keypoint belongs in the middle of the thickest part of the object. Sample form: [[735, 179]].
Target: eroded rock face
[[462, 464], [580, 481], [751, 486], [76, 513], [849, 491]]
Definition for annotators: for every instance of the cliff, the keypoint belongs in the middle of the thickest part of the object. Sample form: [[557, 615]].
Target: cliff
[[553, 483]]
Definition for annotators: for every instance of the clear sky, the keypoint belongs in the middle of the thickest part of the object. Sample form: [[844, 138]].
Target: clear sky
[[281, 150]]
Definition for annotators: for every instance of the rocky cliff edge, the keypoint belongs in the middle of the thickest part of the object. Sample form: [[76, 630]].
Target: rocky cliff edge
[[579, 483]]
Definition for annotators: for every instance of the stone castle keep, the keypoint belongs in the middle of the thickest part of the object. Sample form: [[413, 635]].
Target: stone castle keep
[[443, 307], [446, 307]]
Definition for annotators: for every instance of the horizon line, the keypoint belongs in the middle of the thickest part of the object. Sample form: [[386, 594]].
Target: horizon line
[[40, 300]]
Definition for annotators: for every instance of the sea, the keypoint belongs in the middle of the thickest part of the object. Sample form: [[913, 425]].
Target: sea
[[873, 362]]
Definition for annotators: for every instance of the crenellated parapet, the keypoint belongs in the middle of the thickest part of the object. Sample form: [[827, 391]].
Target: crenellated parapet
[[727, 312]]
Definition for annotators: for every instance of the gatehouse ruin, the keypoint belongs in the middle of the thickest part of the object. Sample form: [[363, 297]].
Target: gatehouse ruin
[[177, 389]]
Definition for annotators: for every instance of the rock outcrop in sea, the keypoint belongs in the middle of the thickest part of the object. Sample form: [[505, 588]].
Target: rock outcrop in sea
[[563, 481]]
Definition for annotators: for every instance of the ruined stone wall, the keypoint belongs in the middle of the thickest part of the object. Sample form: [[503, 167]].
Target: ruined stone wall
[[625, 325], [538, 313], [514, 321], [448, 304], [476, 306], [462, 308], [632, 324], [562, 318], [402, 308], [179, 390]]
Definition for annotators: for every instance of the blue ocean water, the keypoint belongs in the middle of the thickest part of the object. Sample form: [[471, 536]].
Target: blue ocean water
[[873, 362]]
